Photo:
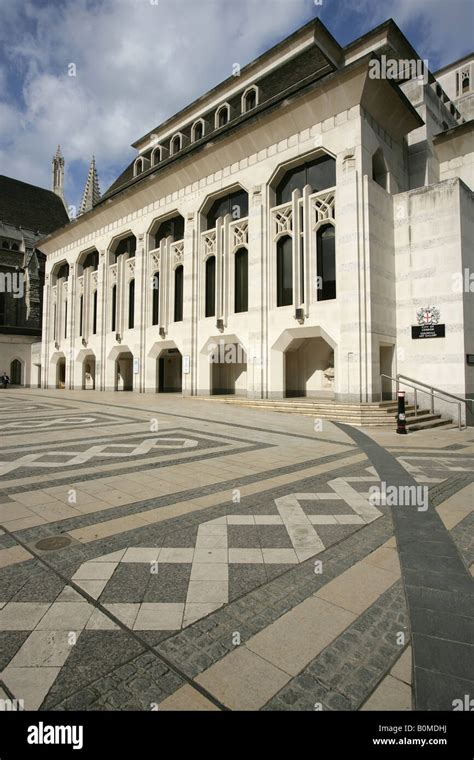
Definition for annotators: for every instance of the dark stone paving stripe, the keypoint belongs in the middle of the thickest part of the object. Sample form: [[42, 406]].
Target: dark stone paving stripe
[[203, 643], [132, 635], [430, 562], [347, 671], [63, 526]]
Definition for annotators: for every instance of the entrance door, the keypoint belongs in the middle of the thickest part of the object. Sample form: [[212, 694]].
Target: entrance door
[[15, 372], [386, 365], [170, 372]]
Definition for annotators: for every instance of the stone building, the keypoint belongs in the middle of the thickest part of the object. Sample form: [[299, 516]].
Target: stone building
[[283, 235], [27, 213]]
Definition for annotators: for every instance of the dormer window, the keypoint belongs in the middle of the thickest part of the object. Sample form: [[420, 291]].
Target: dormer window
[[249, 99], [5, 245], [156, 155], [465, 82], [197, 130], [140, 165], [176, 144], [222, 115]]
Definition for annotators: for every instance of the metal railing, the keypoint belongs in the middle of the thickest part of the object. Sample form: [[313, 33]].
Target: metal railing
[[432, 391]]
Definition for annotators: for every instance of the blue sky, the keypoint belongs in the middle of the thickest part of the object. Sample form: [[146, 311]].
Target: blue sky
[[139, 61]]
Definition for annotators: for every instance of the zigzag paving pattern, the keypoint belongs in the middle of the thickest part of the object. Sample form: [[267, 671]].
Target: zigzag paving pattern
[[161, 554]]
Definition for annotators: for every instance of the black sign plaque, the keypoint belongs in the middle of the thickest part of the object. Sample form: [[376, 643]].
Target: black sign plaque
[[428, 331]]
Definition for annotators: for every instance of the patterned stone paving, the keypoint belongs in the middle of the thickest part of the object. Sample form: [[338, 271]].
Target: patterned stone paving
[[215, 558]]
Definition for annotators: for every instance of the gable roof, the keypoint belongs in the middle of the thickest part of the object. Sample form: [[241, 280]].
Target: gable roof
[[30, 207]]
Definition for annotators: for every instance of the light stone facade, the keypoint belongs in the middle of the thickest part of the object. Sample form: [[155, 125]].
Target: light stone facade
[[402, 212]]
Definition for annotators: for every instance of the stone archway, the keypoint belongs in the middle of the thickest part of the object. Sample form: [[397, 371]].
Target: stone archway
[[307, 357], [224, 358], [165, 367], [16, 372], [120, 369]]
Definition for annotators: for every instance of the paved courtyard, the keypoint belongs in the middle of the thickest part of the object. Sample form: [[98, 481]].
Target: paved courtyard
[[184, 554]]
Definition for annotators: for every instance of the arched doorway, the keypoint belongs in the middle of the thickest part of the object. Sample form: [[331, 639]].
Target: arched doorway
[[88, 373], [16, 372], [309, 368], [228, 362], [124, 371], [61, 373], [169, 369]]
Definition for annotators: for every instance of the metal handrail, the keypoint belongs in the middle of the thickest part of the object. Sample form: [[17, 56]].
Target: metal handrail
[[433, 392]]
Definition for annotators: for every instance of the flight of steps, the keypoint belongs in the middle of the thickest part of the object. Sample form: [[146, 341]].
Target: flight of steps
[[376, 414]]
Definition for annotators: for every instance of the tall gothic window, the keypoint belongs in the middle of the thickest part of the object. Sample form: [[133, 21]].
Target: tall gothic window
[[319, 174], [284, 271], [326, 262], [81, 313], [241, 272], [131, 304], [65, 319], [211, 286], [178, 294], [236, 204], [114, 309], [94, 313], [156, 299]]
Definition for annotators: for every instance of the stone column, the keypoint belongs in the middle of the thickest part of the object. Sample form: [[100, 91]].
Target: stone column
[[257, 350]]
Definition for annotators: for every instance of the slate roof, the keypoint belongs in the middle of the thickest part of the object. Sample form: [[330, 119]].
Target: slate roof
[[30, 207]]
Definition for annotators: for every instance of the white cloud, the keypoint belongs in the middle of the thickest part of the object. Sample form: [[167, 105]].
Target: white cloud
[[136, 64]]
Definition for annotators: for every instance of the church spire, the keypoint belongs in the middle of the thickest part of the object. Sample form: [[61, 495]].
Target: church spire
[[58, 174], [91, 194]]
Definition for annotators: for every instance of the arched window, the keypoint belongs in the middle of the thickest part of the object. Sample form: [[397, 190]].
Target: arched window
[[178, 294], [156, 299], [319, 174], [241, 280], [156, 155], [379, 169], [126, 247], [15, 247], [197, 130], [326, 262], [285, 271], [210, 286], [94, 313], [114, 309], [175, 144], [465, 87], [5, 245], [81, 313], [173, 227], [249, 99], [222, 116], [65, 319], [131, 304], [91, 261], [236, 204], [138, 167]]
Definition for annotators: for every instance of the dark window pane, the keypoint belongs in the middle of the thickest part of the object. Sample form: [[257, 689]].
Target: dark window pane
[[114, 308], [156, 299], [94, 313], [81, 310], [131, 304], [241, 280], [284, 272], [65, 320], [250, 100], [92, 261], [198, 131], [173, 227], [223, 117], [236, 204], [326, 262], [126, 246], [211, 286], [319, 174], [178, 294]]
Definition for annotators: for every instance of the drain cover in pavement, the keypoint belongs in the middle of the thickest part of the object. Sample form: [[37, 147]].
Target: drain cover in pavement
[[52, 543]]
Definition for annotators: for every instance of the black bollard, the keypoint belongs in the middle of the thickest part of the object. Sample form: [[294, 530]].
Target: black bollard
[[401, 416]]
